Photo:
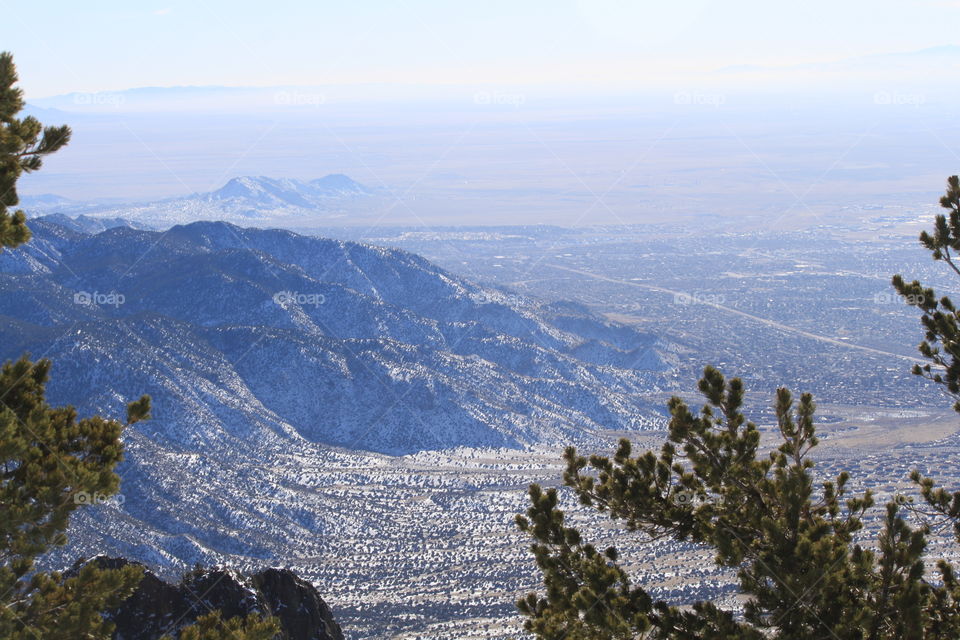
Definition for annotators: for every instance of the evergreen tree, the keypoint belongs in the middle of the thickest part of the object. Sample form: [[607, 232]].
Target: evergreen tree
[[51, 462], [940, 319], [23, 144], [52, 465], [802, 571]]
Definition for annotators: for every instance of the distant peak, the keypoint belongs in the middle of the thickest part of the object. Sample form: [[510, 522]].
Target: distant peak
[[342, 183], [248, 181], [263, 191], [206, 225], [335, 178]]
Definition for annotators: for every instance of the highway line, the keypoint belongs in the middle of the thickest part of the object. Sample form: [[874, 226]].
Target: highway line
[[761, 320]]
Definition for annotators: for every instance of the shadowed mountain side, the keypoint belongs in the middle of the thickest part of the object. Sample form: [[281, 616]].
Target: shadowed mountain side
[[239, 333]]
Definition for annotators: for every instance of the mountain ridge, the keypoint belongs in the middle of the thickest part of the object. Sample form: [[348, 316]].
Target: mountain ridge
[[241, 199], [344, 311]]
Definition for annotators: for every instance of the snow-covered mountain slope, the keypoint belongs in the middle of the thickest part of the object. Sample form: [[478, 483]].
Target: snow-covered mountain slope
[[238, 332], [272, 357], [268, 194], [244, 199]]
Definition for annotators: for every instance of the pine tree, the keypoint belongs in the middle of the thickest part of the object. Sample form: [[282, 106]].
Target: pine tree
[[23, 144], [940, 319], [792, 544], [801, 570], [52, 463]]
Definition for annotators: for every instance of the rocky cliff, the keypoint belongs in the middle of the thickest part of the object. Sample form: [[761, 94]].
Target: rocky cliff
[[157, 608]]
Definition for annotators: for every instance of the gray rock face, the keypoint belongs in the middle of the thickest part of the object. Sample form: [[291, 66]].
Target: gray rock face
[[158, 608]]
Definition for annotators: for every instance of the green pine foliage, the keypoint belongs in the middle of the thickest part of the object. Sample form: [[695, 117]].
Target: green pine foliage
[[23, 144], [792, 543], [804, 567], [212, 627], [52, 464], [940, 319]]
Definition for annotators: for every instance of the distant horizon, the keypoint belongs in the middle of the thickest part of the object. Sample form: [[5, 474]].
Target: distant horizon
[[722, 74], [573, 43]]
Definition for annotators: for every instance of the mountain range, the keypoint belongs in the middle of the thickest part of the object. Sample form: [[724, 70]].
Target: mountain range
[[268, 352], [245, 199]]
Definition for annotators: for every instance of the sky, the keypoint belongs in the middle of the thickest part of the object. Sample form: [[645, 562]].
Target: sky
[[67, 46]]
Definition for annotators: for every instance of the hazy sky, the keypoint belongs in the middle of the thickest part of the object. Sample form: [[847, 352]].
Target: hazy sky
[[64, 46]]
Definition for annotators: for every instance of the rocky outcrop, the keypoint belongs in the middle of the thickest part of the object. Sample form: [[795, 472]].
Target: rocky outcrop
[[301, 610], [157, 608]]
